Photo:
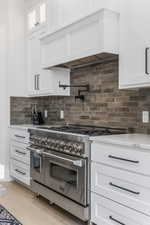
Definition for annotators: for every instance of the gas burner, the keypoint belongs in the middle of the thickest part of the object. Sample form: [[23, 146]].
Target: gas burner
[[86, 130]]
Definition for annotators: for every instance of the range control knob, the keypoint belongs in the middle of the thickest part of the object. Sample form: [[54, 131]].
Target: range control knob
[[78, 149], [62, 146]]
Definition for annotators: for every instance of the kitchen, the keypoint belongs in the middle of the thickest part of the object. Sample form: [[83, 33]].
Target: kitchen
[[74, 112]]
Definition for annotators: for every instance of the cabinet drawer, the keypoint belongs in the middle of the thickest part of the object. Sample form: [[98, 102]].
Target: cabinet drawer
[[132, 190], [132, 159], [19, 152], [107, 212], [19, 135], [20, 171]]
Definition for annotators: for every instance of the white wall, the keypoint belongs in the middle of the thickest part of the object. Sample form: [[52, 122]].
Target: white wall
[[3, 90], [12, 70], [17, 67]]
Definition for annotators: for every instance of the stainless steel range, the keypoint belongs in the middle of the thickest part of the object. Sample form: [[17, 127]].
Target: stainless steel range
[[60, 165]]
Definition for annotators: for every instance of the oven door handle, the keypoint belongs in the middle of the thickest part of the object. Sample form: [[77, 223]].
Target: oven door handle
[[34, 150], [39, 153], [77, 163]]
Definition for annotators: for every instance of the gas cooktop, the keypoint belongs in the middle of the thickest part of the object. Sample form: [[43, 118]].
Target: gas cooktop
[[87, 130]]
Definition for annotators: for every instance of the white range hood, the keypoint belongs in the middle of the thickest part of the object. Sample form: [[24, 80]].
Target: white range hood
[[90, 40]]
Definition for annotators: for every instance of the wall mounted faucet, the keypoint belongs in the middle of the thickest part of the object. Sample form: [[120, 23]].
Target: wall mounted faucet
[[79, 96]]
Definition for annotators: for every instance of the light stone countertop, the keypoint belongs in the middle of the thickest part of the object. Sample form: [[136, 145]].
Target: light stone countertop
[[130, 140], [26, 126]]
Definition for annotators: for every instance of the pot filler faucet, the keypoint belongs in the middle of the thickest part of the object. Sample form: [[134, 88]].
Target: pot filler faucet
[[80, 95]]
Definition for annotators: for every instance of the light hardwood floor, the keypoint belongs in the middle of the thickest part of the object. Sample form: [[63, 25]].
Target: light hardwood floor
[[29, 210]]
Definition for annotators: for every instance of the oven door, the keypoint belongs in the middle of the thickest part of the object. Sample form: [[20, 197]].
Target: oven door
[[36, 169], [66, 175]]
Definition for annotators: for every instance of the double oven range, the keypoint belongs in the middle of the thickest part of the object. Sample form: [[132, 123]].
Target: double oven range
[[60, 165]]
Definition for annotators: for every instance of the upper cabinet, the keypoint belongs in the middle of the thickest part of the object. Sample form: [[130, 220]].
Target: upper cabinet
[[134, 44], [37, 16], [93, 35], [43, 82]]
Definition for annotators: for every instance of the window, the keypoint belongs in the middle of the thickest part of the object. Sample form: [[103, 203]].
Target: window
[[37, 16], [32, 19], [43, 13]]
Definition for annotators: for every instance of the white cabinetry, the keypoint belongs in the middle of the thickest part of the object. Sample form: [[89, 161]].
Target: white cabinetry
[[43, 82], [134, 44], [120, 173], [19, 155], [86, 37], [107, 212], [33, 62]]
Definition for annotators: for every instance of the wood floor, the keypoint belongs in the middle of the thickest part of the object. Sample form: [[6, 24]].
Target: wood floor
[[32, 211]]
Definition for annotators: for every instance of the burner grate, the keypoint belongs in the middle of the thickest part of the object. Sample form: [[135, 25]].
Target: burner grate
[[87, 130]]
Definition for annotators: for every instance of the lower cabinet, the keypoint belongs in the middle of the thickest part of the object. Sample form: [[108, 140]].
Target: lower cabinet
[[20, 171], [107, 212], [19, 152], [19, 156], [120, 185]]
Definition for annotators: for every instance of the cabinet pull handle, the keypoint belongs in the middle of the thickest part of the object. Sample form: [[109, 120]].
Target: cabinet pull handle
[[18, 171], [35, 77], [21, 153], [124, 189], [18, 136], [117, 221], [146, 61], [122, 159], [38, 81]]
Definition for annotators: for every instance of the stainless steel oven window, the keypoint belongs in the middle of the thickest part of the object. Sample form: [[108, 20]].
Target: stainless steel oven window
[[61, 173]]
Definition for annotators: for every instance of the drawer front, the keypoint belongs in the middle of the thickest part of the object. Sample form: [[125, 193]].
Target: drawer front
[[107, 212], [20, 171], [132, 190], [19, 135], [19, 152], [132, 159]]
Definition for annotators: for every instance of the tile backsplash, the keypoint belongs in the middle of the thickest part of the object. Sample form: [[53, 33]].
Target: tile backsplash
[[105, 104]]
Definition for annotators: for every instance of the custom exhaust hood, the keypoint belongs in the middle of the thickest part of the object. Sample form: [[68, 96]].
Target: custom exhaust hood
[[91, 40], [89, 61]]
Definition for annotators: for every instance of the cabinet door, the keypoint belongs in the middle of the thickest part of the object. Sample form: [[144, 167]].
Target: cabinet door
[[45, 83], [48, 82], [107, 212], [40, 81], [134, 44], [33, 63]]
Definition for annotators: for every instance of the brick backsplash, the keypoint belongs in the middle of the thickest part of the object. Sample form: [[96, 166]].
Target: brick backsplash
[[105, 104]]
